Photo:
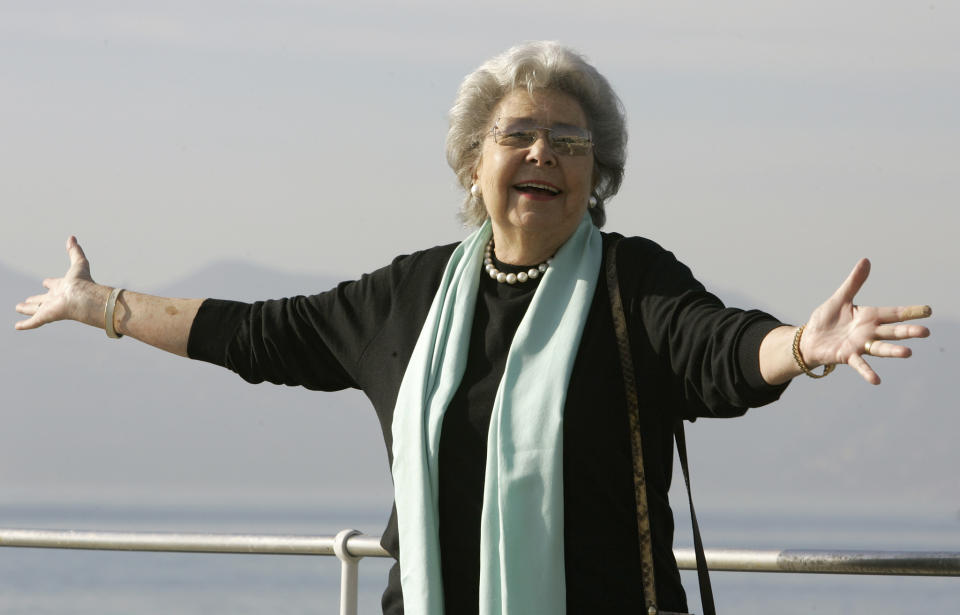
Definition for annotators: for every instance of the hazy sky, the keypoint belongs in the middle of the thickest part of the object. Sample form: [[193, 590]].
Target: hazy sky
[[772, 143]]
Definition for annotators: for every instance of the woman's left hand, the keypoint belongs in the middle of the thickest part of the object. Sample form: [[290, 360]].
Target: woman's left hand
[[840, 331]]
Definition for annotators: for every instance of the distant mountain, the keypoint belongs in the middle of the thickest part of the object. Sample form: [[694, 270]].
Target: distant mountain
[[243, 281], [86, 417]]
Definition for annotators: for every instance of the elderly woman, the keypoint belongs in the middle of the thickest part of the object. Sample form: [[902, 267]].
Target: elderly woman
[[493, 364]]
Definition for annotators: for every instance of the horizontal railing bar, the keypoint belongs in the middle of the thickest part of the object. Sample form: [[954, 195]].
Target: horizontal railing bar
[[360, 545], [901, 563]]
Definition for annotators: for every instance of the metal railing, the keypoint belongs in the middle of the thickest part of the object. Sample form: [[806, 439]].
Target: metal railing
[[350, 546]]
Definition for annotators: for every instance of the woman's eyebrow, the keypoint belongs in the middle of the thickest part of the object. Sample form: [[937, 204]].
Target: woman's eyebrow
[[534, 122], [565, 125]]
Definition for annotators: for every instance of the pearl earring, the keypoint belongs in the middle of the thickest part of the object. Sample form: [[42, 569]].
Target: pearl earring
[[592, 202], [475, 190]]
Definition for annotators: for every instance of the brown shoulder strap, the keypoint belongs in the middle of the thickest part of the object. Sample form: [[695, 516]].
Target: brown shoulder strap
[[639, 480], [633, 412]]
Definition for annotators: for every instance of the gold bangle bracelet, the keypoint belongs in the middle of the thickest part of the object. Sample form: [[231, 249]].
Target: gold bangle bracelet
[[108, 314], [799, 359]]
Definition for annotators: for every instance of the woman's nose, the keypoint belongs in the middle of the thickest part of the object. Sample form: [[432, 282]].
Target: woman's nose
[[541, 153]]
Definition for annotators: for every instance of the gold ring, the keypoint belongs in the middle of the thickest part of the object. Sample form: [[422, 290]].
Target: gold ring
[[867, 346]]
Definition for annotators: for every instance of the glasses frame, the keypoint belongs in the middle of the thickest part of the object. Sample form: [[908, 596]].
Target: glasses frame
[[545, 133]]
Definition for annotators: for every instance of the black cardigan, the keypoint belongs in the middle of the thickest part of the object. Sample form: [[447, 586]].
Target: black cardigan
[[693, 358]]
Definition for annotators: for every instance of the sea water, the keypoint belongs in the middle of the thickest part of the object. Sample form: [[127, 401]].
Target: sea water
[[789, 594], [60, 582], [82, 582]]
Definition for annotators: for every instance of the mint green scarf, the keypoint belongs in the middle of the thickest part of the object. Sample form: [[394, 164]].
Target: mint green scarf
[[521, 533]]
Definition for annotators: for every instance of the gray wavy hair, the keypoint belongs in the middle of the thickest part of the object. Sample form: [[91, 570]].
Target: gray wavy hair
[[539, 65]]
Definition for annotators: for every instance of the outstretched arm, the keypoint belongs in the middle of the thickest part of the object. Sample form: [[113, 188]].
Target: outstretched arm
[[841, 332], [158, 321]]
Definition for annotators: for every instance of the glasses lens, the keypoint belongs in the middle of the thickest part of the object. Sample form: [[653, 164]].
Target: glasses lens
[[570, 144], [518, 138], [516, 132]]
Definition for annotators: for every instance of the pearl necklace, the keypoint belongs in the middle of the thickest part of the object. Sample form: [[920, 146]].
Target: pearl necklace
[[511, 278]]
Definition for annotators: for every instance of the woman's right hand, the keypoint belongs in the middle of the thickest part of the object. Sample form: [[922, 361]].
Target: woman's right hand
[[72, 297]]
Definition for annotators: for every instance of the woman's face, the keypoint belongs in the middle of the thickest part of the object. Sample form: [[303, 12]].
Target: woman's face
[[534, 191]]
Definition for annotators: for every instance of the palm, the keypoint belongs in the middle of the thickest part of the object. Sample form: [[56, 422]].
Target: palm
[[62, 293], [839, 330]]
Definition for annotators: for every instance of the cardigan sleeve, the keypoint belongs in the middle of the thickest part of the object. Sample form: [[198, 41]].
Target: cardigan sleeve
[[709, 353]]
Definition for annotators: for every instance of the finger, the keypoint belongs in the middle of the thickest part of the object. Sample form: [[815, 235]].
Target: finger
[[75, 251], [900, 332], [31, 323], [79, 265], [78, 259], [35, 299], [863, 368], [888, 350], [854, 282], [28, 309], [902, 313], [912, 312]]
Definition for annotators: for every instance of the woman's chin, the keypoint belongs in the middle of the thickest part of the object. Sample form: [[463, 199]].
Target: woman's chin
[[546, 217]]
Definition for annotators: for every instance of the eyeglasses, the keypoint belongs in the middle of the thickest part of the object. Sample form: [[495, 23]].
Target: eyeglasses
[[564, 140]]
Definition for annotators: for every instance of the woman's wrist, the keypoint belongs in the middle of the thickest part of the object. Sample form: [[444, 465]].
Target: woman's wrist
[[777, 364], [806, 363], [806, 353], [90, 304]]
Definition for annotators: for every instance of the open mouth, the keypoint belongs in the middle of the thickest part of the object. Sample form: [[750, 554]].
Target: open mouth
[[540, 189]]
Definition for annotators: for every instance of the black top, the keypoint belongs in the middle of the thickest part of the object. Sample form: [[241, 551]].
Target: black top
[[693, 357]]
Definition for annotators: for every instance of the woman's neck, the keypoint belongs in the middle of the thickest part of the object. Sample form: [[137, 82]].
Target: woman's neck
[[524, 249]]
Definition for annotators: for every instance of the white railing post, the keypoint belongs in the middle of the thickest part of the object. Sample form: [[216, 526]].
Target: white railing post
[[348, 572]]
